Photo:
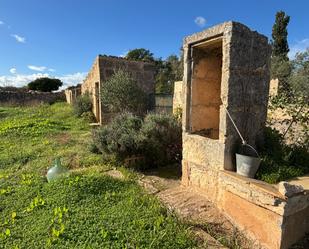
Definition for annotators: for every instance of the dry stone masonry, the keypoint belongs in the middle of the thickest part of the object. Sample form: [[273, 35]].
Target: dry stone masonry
[[29, 98], [71, 93], [104, 67], [227, 67]]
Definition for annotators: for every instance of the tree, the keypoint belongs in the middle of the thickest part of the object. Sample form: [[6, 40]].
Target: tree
[[45, 84], [280, 45], [280, 64], [121, 93], [299, 78], [169, 71], [140, 54]]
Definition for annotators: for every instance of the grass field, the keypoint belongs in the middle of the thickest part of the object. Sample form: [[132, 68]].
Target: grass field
[[86, 209]]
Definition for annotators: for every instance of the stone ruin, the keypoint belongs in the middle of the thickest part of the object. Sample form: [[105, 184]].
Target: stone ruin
[[103, 68], [227, 67], [29, 98], [71, 93]]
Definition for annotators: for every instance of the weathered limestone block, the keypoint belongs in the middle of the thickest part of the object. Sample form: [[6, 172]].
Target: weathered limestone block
[[178, 96], [257, 203], [289, 190], [206, 152], [253, 191]]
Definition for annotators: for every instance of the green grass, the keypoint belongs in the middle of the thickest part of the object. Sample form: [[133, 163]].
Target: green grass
[[84, 210]]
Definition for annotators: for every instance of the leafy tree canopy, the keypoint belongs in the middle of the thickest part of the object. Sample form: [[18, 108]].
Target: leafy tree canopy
[[45, 84], [167, 71], [299, 78], [140, 54], [121, 93]]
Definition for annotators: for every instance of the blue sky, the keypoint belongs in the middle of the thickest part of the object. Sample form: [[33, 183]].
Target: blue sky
[[61, 38]]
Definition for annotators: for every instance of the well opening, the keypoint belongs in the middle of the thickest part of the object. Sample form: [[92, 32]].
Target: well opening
[[206, 88]]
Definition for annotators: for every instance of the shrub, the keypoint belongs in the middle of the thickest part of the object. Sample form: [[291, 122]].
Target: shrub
[[157, 138], [88, 116], [281, 161], [161, 139], [83, 104], [120, 137]]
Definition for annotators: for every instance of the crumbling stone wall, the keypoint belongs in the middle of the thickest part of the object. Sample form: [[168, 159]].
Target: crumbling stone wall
[[104, 67], [10, 98], [178, 96], [71, 93]]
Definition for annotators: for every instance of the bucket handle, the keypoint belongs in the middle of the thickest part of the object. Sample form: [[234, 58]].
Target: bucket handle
[[251, 147], [243, 141]]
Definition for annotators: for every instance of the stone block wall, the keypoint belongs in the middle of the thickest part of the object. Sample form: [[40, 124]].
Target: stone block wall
[[178, 96], [11, 98], [273, 87], [104, 67], [71, 93]]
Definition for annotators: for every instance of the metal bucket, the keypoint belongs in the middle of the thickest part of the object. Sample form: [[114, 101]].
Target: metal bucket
[[247, 165]]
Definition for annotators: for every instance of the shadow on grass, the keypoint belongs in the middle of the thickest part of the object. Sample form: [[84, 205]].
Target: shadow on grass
[[172, 171]]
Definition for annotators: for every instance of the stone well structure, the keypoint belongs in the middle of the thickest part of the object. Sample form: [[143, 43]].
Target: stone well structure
[[104, 67], [227, 67]]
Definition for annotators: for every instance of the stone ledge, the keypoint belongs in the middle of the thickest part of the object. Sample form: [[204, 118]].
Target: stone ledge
[[263, 194]]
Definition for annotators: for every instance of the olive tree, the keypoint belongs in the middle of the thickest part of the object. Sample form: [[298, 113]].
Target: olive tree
[[121, 93]]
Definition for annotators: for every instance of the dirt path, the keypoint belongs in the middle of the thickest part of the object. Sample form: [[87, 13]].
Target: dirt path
[[212, 228], [208, 223]]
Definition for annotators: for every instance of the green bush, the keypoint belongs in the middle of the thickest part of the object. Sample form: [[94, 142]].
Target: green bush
[[161, 139], [120, 137], [88, 116], [157, 138], [280, 161], [83, 104]]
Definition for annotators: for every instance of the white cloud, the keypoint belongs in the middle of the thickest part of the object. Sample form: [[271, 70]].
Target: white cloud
[[37, 68], [19, 38], [13, 70], [72, 79], [51, 70], [200, 21], [124, 53], [299, 46], [19, 80]]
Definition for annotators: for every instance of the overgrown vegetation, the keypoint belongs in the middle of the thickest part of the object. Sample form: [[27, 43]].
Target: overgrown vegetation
[[280, 161], [286, 155], [84, 210], [82, 107], [122, 94], [157, 139]]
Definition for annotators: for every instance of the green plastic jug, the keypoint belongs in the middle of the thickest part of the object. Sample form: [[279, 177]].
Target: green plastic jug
[[56, 171]]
